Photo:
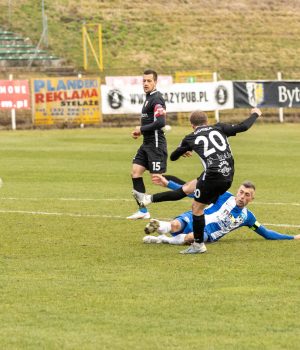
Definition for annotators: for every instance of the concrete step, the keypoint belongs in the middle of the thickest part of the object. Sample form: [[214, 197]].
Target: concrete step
[[17, 46], [36, 62], [16, 52], [5, 33], [13, 41]]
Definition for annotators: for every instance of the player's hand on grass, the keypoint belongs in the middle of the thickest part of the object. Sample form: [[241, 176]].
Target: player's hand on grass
[[297, 237]]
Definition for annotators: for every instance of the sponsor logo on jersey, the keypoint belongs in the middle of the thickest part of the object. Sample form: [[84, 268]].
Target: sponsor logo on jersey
[[224, 168], [228, 222], [224, 156]]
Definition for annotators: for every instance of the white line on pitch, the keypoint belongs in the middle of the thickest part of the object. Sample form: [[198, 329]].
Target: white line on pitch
[[67, 199], [120, 200], [98, 216], [275, 203], [59, 214]]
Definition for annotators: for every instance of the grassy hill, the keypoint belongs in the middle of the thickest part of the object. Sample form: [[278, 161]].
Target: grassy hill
[[245, 39]]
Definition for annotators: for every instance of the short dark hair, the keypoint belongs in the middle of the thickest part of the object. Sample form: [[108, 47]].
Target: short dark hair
[[248, 184], [151, 71], [198, 118]]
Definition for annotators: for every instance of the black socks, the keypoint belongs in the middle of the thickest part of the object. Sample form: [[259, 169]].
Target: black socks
[[198, 228], [138, 184], [168, 196]]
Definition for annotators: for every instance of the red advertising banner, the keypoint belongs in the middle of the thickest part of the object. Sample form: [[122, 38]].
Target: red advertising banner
[[14, 94]]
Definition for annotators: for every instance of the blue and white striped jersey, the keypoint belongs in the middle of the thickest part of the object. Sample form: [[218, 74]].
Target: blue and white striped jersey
[[221, 218], [225, 216]]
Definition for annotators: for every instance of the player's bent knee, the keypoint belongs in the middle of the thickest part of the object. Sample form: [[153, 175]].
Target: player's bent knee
[[189, 187], [175, 226], [137, 171]]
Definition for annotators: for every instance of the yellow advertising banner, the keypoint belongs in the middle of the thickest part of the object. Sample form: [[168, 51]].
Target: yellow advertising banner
[[71, 100]]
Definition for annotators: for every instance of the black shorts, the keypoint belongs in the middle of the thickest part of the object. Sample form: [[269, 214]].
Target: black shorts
[[208, 191], [152, 158]]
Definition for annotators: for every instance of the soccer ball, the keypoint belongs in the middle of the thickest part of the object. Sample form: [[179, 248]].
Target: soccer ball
[[1, 182], [168, 127]]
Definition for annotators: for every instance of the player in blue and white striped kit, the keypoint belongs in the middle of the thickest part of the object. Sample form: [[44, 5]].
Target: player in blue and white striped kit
[[227, 214]]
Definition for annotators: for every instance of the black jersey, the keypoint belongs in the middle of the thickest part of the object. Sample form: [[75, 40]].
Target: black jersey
[[152, 120], [211, 144]]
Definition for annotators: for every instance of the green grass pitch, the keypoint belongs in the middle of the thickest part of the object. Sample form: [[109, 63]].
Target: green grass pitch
[[74, 273]]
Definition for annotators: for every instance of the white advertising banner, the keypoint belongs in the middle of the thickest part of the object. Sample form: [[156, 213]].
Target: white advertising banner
[[118, 81], [185, 97]]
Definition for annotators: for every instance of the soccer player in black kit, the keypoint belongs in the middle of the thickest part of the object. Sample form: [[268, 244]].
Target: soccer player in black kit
[[211, 144], [152, 155]]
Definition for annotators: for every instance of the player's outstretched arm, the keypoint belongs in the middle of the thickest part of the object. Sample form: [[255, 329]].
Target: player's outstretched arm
[[247, 123], [163, 181], [175, 179], [257, 111], [232, 130], [159, 179], [273, 235]]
